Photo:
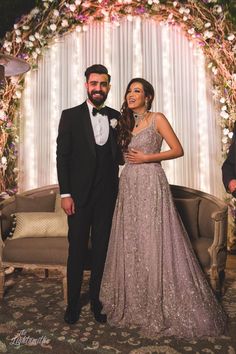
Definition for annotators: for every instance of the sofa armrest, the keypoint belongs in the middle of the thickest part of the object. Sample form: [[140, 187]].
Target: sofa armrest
[[219, 245]]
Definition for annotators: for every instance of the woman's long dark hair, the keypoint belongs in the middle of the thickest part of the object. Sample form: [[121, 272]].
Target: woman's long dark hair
[[126, 122]]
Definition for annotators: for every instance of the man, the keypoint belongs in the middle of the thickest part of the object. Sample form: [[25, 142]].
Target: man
[[87, 166], [229, 168]]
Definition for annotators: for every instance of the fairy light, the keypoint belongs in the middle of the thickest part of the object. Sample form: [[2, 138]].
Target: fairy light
[[54, 111], [27, 128], [137, 48], [77, 70], [107, 53], [167, 89], [204, 162]]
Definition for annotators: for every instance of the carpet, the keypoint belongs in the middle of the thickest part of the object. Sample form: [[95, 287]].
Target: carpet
[[31, 322]]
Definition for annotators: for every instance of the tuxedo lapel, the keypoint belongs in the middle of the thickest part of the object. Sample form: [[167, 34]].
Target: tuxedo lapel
[[87, 127], [112, 135]]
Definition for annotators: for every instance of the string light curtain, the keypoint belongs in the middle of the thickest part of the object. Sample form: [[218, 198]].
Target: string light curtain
[[139, 48]]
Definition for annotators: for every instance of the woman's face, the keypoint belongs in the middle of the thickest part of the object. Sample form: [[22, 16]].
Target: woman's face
[[135, 97]]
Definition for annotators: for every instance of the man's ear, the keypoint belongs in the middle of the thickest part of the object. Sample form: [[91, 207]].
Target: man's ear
[[86, 85]]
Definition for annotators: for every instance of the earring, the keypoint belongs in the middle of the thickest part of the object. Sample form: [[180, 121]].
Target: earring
[[146, 103]]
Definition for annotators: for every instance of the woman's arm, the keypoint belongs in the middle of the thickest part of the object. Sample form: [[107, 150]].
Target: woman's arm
[[165, 130]]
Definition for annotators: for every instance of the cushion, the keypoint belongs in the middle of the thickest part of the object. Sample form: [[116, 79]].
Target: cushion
[[40, 224], [188, 209], [34, 204]]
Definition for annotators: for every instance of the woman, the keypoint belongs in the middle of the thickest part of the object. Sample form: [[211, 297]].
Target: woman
[[152, 278]]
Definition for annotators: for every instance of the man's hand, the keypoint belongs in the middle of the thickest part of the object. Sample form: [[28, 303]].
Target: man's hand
[[68, 205], [232, 185]]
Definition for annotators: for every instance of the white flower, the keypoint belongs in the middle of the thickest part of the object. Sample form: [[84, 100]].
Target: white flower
[[175, 3], [2, 115], [56, 13], [214, 70], [72, 7], [222, 100], [224, 108], [224, 114], [35, 11], [18, 40], [113, 123], [4, 160], [191, 31], [25, 28], [230, 135], [7, 44], [28, 44], [225, 131], [231, 37], [217, 9], [207, 25], [18, 94], [64, 23], [208, 34], [224, 140], [37, 35], [32, 38], [53, 27], [18, 32], [77, 2]]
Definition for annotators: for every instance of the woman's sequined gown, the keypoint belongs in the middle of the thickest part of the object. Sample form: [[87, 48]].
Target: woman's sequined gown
[[152, 278]]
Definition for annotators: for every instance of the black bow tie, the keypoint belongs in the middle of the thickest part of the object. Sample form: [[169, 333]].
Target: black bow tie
[[101, 111]]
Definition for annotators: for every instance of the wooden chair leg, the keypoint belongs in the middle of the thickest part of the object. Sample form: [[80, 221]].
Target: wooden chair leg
[[2, 282], [46, 272], [216, 280]]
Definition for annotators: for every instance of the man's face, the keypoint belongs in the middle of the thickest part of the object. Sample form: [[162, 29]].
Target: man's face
[[97, 88]]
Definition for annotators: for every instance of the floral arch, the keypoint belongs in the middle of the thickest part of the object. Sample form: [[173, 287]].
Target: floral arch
[[202, 21]]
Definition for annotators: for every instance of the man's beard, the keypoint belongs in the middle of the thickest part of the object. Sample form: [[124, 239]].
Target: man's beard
[[97, 101]]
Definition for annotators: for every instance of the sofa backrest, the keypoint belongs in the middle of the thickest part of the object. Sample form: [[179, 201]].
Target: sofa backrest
[[207, 205], [199, 206], [8, 206]]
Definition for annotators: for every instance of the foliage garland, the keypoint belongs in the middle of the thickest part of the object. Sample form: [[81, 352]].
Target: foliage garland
[[204, 22]]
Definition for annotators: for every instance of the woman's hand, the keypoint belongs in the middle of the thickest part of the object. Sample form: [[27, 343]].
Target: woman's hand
[[135, 156]]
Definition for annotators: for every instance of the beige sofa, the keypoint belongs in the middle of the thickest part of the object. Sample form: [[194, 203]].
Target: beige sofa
[[204, 216]]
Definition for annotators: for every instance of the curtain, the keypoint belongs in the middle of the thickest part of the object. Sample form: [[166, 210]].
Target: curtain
[[139, 48]]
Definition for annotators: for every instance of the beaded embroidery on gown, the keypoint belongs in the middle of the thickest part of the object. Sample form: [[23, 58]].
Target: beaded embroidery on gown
[[152, 278]]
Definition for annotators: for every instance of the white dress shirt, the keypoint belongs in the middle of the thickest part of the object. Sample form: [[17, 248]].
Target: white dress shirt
[[100, 126]]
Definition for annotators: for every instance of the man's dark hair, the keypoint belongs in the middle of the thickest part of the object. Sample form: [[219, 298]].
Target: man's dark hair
[[96, 69]]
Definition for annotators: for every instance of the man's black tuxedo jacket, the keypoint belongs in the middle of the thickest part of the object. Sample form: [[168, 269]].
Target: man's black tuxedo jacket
[[76, 154], [229, 166]]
